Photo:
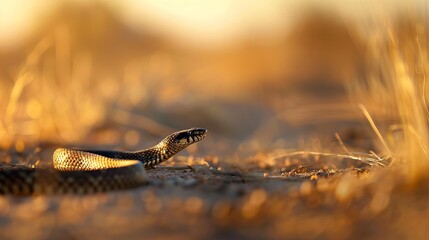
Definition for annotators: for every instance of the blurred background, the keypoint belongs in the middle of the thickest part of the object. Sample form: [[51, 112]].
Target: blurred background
[[264, 77], [258, 75]]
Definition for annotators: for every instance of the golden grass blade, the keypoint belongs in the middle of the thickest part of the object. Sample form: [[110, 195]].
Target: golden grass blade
[[374, 128]]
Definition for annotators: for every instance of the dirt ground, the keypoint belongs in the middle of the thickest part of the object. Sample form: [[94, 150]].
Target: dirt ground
[[198, 196], [183, 204]]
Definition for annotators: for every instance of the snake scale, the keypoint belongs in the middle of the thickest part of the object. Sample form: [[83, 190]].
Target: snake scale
[[91, 171]]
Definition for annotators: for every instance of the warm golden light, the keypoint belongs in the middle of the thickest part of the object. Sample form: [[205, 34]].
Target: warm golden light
[[316, 110]]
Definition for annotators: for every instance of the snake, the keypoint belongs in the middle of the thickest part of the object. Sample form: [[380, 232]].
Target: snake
[[77, 171]]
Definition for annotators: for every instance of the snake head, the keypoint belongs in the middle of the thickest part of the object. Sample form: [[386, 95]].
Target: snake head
[[187, 137]]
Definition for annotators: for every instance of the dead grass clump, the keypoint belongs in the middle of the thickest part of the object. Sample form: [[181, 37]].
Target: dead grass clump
[[395, 81]]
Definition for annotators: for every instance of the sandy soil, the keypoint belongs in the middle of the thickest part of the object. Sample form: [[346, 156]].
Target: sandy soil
[[208, 197]]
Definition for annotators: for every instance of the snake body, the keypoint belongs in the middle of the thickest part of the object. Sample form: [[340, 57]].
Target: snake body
[[88, 171]]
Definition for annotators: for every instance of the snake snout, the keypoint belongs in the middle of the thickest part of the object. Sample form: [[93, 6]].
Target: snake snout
[[197, 132], [187, 137]]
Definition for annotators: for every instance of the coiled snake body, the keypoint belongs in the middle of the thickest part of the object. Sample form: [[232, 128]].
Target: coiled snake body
[[88, 171]]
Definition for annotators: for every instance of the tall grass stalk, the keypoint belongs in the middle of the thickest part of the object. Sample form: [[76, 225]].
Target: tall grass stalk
[[395, 80]]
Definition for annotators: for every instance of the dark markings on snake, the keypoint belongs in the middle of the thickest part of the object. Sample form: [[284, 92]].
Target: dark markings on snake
[[88, 171]]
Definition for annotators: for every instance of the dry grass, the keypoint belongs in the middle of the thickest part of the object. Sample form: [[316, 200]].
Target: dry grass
[[62, 91], [395, 81]]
